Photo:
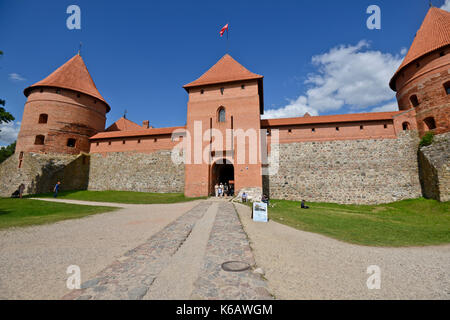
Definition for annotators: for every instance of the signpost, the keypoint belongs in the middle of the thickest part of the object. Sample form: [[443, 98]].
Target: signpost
[[260, 212]]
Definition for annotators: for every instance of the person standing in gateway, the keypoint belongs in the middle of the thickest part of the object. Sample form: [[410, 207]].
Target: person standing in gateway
[[56, 189]]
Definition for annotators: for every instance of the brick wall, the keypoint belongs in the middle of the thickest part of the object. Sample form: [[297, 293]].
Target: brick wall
[[425, 79], [70, 116]]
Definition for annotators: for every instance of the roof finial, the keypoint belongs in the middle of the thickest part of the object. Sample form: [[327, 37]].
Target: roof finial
[[431, 4], [125, 114], [79, 49]]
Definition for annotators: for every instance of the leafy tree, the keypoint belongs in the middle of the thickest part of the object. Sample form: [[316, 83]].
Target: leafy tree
[[6, 152], [4, 115]]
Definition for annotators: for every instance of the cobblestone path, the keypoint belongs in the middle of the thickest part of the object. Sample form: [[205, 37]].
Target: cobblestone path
[[183, 261]]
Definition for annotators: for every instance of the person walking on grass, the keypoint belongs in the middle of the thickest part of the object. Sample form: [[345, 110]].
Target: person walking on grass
[[56, 189]]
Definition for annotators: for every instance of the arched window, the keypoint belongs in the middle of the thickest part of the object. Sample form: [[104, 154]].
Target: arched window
[[447, 87], [43, 118], [429, 123], [406, 126], [414, 100], [221, 114], [71, 142], [40, 139]]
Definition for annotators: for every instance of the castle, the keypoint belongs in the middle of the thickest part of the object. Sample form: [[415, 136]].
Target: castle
[[350, 158]]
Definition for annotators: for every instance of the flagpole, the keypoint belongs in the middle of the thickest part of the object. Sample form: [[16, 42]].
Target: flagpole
[[228, 46]]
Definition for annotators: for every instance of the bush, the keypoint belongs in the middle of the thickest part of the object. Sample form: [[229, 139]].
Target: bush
[[427, 139]]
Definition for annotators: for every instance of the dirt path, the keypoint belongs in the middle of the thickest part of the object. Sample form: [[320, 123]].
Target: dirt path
[[34, 260], [303, 265]]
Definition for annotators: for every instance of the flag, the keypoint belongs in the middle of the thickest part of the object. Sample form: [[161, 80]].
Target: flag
[[225, 27]]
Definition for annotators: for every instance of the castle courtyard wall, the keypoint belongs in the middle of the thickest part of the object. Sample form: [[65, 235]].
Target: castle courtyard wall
[[434, 162], [40, 172], [132, 171], [366, 171]]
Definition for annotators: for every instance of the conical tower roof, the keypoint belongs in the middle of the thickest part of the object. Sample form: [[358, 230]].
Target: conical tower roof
[[432, 35], [225, 70], [72, 75]]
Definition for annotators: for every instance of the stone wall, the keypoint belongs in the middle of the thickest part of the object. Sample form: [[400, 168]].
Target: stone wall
[[349, 171], [130, 171], [40, 172], [434, 162]]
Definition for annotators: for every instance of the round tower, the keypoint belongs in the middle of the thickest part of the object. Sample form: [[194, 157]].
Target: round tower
[[422, 81], [62, 111]]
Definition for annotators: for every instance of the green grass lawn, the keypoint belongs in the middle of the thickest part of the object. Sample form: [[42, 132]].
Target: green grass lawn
[[26, 212], [120, 196], [416, 222]]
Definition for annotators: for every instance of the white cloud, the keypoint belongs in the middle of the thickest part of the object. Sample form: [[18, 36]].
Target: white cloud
[[446, 5], [16, 77], [347, 76], [9, 132], [392, 106]]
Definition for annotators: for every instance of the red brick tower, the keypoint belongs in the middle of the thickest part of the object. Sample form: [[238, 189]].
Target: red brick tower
[[422, 81], [62, 111], [227, 98]]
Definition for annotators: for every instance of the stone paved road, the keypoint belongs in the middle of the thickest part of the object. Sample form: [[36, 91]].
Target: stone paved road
[[183, 261]]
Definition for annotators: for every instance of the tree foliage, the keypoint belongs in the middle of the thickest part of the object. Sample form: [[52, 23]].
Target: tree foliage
[[5, 116], [6, 152]]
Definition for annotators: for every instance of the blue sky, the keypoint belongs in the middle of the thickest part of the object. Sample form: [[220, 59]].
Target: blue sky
[[141, 53]]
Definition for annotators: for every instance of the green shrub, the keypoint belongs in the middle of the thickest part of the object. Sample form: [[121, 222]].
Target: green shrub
[[427, 139]]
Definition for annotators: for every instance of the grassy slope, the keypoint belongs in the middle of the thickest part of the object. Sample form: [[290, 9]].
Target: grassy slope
[[26, 212], [415, 222], [121, 196]]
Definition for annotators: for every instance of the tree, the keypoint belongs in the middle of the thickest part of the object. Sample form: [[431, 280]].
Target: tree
[[4, 115], [6, 152]]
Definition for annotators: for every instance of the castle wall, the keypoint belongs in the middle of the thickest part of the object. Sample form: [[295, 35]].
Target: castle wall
[[132, 171], [40, 172], [434, 162], [426, 78], [142, 144], [347, 171], [70, 115]]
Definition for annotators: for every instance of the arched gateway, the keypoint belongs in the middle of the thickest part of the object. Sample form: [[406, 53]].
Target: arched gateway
[[222, 171]]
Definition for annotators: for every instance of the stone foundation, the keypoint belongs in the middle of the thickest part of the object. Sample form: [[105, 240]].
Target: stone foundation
[[40, 172], [434, 162], [130, 171], [350, 171]]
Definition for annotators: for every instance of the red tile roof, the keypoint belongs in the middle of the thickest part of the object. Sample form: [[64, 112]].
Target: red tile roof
[[432, 35], [72, 75], [225, 70], [123, 124], [354, 117], [134, 133]]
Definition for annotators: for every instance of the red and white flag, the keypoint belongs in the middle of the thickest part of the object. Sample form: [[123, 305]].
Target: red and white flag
[[225, 27]]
